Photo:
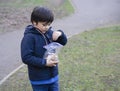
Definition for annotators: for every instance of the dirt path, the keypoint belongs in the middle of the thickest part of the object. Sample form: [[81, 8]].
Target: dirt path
[[88, 15]]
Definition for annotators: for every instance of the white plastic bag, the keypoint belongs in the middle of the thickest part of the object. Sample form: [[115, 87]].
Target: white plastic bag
[[52, 49]]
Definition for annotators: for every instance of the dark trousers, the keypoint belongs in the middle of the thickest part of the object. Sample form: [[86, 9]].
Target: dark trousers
[[46, 87]]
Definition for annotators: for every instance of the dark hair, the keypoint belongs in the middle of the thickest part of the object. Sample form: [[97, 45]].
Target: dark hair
[[42, 14]]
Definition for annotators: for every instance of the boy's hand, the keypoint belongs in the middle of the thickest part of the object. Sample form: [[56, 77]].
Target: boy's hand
[[51, 60], [56, 34]]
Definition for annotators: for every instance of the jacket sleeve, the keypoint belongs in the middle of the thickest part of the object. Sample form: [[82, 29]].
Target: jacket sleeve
[[27, 52], [62, 39]]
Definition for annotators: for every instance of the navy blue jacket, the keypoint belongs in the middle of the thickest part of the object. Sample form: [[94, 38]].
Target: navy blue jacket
[[32, 53]]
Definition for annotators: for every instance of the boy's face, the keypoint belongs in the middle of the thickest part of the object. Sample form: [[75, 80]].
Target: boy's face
[[42, 26]]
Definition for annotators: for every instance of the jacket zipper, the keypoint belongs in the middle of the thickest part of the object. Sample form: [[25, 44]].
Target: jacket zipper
[[43, 37]]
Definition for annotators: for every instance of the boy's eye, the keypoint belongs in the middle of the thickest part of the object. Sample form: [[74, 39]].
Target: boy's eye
[[46, 24]]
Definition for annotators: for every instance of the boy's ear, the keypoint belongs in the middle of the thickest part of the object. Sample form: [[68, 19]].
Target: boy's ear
[[34, 23]]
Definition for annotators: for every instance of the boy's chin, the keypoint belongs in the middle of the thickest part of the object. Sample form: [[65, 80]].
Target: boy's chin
[[45, 30]]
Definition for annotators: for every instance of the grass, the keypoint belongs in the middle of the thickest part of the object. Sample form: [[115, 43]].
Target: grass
[[21, 3], [67, 7], [89, 62], [58, 7]]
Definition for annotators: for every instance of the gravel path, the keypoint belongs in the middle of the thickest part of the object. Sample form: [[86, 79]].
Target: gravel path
[[89, 14]]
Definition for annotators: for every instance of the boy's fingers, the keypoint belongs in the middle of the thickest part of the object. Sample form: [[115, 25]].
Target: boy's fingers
[[55, 62], [52, 63], [56, 34]]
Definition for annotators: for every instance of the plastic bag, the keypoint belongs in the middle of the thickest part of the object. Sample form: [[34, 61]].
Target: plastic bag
[[52, 48]]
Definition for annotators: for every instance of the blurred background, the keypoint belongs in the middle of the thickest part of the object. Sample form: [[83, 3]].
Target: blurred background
[[74, 17], [15, 14]]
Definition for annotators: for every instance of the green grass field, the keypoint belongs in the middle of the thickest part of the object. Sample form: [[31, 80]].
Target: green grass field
[[89, 62]]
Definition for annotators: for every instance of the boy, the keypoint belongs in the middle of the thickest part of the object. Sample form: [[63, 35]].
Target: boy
[[43, 73]]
